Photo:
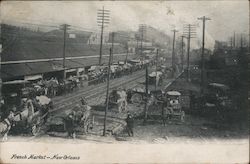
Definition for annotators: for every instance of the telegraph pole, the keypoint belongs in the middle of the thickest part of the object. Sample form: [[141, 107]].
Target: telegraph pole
[[146, 98], [204, 19], [107, 93], [156, 64], [0, 72], [189, 32], [137, 45], [112, 46], [64, 27], [102, 20], [142, 28], [234, 40], [173, 54], [182, 52], [126, 59], [241, 41]]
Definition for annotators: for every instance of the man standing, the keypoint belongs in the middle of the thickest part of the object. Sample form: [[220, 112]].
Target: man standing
[[130, 125], [3, 110]]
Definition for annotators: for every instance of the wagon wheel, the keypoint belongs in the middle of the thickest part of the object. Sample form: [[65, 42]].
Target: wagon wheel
[[136, 98], [35, 128]]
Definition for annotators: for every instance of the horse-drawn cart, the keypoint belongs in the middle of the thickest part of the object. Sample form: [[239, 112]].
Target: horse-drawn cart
[[118, 98], [172, 107], [31, 115]]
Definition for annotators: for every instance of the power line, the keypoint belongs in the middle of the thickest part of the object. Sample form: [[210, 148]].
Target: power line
[[142, 29], [182, 52], [189, 32], [204, 19], [103, 18], [64, 27], [173, 53]]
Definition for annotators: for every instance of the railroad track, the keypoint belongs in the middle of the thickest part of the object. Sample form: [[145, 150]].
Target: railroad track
[[94, 92]]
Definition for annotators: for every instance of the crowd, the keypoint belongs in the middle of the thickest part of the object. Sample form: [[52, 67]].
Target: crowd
[[35, 97]]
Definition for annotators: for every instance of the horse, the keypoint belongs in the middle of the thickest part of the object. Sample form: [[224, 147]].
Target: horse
[[32, 113], [5, 126]]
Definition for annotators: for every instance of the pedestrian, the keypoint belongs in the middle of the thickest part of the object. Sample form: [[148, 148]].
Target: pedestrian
[[3, 110], [70, 125], [130, 125]]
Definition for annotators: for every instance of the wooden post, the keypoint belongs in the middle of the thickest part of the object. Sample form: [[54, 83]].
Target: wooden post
[[146, 98], [64, 28], [173, 54], [0, 72], [112, 46], [202, 54], [156, 64], [126, 59], [107, 94]]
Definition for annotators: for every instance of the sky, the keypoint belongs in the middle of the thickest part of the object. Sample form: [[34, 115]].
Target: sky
[[226, 16]]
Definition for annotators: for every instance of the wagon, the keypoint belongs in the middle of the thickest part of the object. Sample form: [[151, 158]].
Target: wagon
[[117, 99], [138, 95], [32, 115], [173, 109], [30, 111], [155, 78]]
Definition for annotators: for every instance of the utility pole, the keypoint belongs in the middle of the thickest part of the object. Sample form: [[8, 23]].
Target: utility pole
[[204, 19], [156, 64], [107, 93], [173, 54], [103, 18], [142, 30], [112, 46], [137, 46], [234, 40], [126, 59], [241, 41], [182, 52], [146, 98], [64, 27], [0, 72], [189, 32], [231, 44]]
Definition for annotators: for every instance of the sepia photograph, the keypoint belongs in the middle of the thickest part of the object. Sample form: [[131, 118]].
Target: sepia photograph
[[124, 81]]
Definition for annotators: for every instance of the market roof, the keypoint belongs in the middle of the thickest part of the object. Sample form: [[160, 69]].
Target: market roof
[[16, 82]]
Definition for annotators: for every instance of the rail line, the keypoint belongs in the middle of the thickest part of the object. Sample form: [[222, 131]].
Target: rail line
[[91, 92]]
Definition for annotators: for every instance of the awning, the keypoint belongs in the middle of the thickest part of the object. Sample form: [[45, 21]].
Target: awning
[[70, 70], [16, 82], [25, 69]]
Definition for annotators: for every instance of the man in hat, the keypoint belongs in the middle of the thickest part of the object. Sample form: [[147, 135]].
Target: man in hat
[[70, 125], [3, 110], [130, 125]]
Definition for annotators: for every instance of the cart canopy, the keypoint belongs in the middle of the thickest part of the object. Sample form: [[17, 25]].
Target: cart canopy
[[173, 93], [219, 86]]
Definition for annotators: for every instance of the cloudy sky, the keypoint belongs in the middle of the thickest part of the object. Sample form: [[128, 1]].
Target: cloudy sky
[[227, 16]]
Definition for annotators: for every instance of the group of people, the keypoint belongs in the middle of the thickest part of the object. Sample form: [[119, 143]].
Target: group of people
[[80, 117], [100, 73], [118, 97], [54, 87]]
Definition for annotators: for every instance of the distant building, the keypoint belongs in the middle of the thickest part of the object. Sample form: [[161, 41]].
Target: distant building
[[154, 36], [95, 38], [35, 53]]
